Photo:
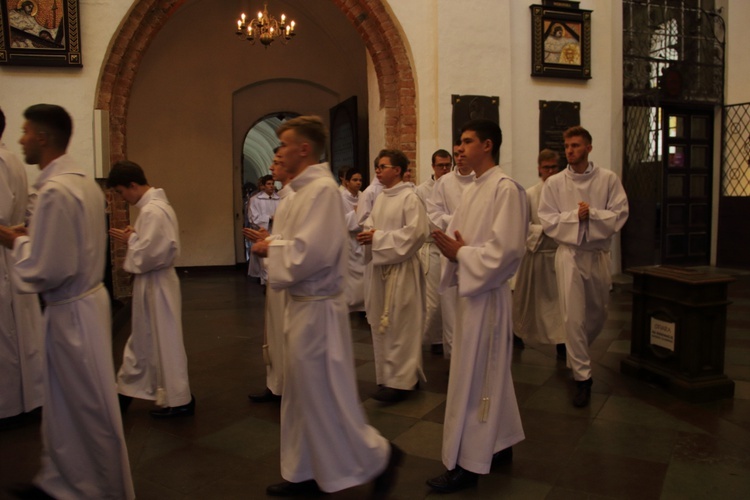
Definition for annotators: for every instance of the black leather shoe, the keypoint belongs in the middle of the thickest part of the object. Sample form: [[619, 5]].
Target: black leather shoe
[[390, 395], [28, 492], [385, 481], [437, 349], [453, 480], [264, 397], [503, 457], [286, 489], [175, 411], [583, 393], [124, 402], [518, 342], [562, 353], [12, 422]]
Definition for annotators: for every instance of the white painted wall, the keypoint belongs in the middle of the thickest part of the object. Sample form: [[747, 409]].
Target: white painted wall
[[73, 89], [737, 77]]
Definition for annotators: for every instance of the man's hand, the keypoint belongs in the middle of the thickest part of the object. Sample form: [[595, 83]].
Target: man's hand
[[365, 237], [121, 235], [9, 234], [260, 248], [583, 210], [447, 245], [255, 235]]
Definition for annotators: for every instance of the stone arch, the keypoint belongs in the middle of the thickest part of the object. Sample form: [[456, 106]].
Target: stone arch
[[370, 18]]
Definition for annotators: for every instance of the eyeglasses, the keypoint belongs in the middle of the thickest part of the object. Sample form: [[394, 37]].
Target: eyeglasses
[[382, 167], [445, 166], [549, 167]]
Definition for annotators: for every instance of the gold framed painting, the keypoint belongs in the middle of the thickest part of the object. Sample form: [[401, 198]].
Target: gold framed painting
[[560, 40], [40, 33]]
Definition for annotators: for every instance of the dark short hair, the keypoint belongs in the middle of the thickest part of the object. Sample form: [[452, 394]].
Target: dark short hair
[[124, 172], [397, 157], [440, 153], [55, 119], [486, 129], [351, 173], [547, 155], [262, 181], [577, 131], [2, 122]]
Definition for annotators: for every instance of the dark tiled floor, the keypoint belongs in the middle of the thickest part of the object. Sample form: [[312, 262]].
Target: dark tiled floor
[[634, 441]]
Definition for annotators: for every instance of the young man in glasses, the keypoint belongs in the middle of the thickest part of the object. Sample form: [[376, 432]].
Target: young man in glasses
[[395, 304]]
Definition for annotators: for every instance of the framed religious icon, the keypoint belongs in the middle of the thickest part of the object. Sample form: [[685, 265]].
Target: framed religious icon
[[40, 33], [560, 40]]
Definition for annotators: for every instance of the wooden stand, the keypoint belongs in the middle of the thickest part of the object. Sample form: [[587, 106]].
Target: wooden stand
[[678, 331]]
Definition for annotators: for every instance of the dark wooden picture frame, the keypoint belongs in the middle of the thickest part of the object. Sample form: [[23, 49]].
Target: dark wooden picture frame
[[560, 41], [40, 33]]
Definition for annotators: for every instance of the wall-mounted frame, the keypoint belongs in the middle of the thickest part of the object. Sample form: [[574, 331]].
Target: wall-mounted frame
[[40, 33], [560, 40]]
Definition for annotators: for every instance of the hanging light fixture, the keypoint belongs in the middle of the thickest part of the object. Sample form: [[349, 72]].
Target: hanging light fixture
[[265, 28]]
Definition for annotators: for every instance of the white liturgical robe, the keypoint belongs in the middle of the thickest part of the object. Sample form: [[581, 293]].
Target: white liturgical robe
[[276, 301], [481, 413], [429, 255], [324, 432], [21, 329], [355, 284], [582, 260], [395, 303], [154, 364], [83, 448], [536, 310], [367, 200], [441, 205], [261, 213]]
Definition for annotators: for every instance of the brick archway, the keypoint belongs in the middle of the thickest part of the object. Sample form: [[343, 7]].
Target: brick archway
[[372, 21]]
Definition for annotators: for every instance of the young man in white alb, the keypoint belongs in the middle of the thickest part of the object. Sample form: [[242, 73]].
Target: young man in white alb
[[484, 245], [395, 303], [581, 209]]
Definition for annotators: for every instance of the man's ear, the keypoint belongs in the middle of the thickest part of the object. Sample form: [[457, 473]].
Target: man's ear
[[305, 149], [487, 145]]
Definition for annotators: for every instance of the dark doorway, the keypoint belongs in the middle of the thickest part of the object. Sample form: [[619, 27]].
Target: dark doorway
[[667, 175]]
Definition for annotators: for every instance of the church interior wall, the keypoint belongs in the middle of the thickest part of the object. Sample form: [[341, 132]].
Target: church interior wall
[[183, 128], [72, 88], [197, 94]]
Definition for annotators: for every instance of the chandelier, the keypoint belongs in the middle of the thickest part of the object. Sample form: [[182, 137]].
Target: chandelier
[[265, 28]]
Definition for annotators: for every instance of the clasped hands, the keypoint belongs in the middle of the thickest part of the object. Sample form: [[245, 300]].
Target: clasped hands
[[8, 234], [258, 237], [121, 235], [583, 210], [448, 246]]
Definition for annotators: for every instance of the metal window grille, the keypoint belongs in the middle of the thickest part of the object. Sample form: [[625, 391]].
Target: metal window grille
[[735, 174], [679, 39]]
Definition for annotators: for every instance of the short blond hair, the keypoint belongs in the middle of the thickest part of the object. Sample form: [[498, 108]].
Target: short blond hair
[[311, 128]]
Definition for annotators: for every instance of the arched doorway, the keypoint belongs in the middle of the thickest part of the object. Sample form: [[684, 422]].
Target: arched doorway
[[370, 18], [130, 57]]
